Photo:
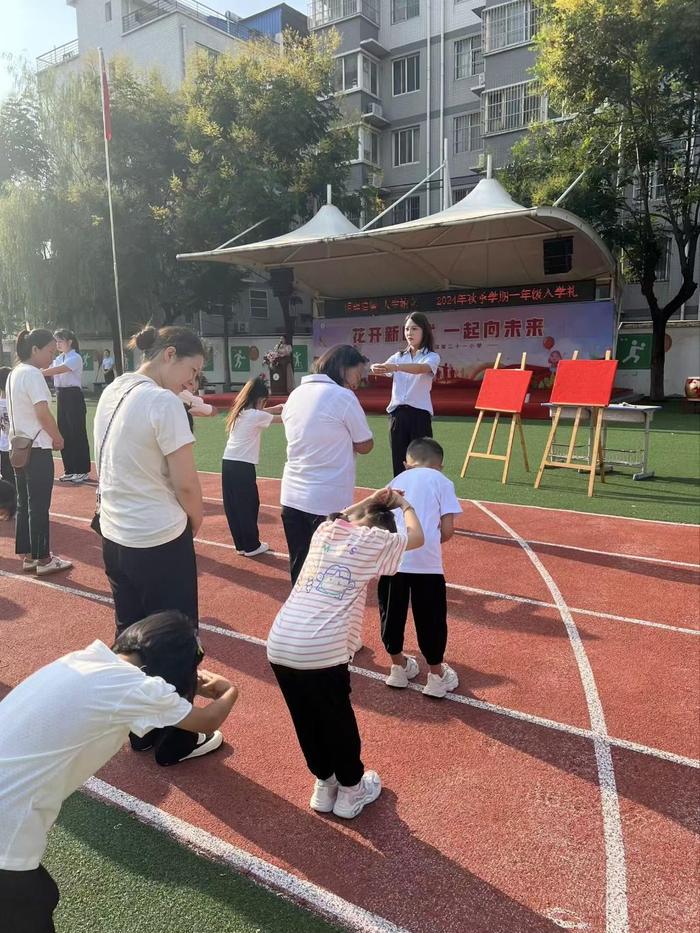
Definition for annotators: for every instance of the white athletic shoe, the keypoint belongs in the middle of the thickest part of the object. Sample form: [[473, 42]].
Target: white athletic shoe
[[55, 565], [205, 744], [324, 795], [79, 478], [351, 801], [400, 676], [28, 564], [262, 549], [66, 478], [438, 686]]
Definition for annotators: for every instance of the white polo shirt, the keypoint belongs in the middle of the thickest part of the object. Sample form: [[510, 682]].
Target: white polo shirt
[[73, 379], [243, 442], [25, 388], [432, 495], [322, 421], [410, 388], [60, 726], [139, 507]]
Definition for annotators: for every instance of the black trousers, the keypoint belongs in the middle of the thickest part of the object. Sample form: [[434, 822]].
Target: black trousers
[[71, 423], [407, 423], [239, 490], [427, 595], [6, 471], [324, 720], [299, 529], [34, 489], [146, 580], [27, 901]]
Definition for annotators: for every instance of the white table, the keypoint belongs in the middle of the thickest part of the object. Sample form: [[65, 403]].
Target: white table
[[622, 413]]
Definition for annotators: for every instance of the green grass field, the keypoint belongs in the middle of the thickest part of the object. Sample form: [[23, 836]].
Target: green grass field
[[119, 875]]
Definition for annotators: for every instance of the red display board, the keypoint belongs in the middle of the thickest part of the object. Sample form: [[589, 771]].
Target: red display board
[[504, 390], [587, 383]]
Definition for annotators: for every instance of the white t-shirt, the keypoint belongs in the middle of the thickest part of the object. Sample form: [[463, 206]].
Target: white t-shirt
[[322, 420], [138, 503], [432, 495], [243, 442], [4, 426], [107, 363], [320, 625], [75, 377], [27, 387], [60, 726], [409, 388]]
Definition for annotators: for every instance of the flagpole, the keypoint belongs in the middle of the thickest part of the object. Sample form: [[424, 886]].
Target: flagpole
[[107, 133]]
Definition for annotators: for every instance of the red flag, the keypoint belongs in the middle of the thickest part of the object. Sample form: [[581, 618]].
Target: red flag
[[106, 111]]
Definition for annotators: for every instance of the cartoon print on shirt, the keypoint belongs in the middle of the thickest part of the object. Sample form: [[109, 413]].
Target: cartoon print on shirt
[[336, 581]]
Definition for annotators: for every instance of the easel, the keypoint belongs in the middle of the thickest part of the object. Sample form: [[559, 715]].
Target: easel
[[585, 385], [502, 392]]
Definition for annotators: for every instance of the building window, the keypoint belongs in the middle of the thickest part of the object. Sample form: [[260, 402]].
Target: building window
[[370, 75], [468, 59], [461, 192], [258, 302], [664, 264], [406, 72], [345, 76], [406, 146], [513, 108], [212, 54], [368, 145], [467, 132], [401, 10], [408, 209], [509, 24], [108, 12]]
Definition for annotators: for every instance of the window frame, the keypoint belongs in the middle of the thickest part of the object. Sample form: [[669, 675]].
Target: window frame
[[408, 6], [467, 131], [488, 96], [530, 25], [408, 206], [396, 145], [251, 299], [108, 11], [403, 61], [469, 55]]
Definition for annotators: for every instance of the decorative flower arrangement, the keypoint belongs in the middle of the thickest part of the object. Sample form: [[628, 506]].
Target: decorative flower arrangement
[[275, 357]]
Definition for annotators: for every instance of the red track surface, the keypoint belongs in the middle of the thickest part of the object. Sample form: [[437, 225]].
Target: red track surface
[[487, 822]]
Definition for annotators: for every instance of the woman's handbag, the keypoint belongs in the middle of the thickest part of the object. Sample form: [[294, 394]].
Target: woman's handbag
[[95, 523], [20, 444]]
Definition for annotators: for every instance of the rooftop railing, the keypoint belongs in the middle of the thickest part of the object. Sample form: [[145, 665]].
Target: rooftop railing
[[151, 11], [58, 55]]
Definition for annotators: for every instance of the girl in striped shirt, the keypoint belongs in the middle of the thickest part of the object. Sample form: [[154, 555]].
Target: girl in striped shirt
[[317, 632]]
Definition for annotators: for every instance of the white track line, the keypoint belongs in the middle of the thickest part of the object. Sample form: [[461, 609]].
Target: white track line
[[647, 750], [264, 873], [282, 555], [616, 913]]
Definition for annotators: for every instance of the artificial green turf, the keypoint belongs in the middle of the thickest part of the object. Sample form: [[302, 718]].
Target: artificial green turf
[[117, 875], [671, 496]]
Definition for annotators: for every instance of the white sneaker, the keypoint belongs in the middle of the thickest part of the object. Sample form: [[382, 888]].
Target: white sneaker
[[351, 801], [28, 564], [79, 478], [264, 546], [66, 478], [438, 686], [55, 565], [205, 744], [400, 676], [324, 794]]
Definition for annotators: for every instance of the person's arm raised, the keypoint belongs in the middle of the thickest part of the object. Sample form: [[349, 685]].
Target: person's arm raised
[[208, 718], [414, 529], [183, 476]]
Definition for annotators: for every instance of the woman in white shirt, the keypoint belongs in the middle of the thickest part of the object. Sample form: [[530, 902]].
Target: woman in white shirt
[[325, 427], [67, 373], [413, 371], [28, 400]]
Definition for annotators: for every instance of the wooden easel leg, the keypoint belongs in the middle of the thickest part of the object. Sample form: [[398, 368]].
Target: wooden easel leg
[[472, 443], [521, 433], [595, 452], [547, 446], [492, 438], [509, 448]]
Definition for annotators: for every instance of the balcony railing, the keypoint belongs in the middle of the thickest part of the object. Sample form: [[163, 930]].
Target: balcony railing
[[324, 12], [150, 11], [58, 55]]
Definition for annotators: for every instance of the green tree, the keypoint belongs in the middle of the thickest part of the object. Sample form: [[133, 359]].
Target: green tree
[[631, 79]]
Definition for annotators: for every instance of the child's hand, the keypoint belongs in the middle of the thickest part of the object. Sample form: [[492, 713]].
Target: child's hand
[[211, 686]]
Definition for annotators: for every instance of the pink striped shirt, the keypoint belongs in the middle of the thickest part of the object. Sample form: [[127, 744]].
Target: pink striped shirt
[[320, 625]]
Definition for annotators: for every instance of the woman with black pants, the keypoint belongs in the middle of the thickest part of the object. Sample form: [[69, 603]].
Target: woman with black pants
[[151, 500], [67, 373], [28, 400], [413, 370]]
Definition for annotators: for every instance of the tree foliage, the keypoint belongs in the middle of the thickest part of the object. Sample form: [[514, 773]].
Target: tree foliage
[[630, 79]]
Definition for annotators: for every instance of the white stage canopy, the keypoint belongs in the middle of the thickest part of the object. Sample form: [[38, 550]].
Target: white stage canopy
[[484, 240]]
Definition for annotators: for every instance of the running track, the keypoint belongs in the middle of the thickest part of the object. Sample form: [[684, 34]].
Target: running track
[[556, 790]]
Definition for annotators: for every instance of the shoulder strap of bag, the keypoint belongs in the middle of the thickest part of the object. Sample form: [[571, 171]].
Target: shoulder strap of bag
[[109, 423], [11, 410]]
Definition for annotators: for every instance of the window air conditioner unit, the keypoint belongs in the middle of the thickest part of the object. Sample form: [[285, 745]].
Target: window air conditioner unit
[[376, 110], [481, 161], [480, 80], [242, 327], [375, 179]]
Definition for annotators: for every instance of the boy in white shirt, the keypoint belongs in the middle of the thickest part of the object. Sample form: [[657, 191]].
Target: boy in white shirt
[[420, 579], [65, 721]]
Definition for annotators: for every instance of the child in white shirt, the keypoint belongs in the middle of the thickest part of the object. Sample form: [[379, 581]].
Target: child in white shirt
[[420, 580], [6, 471], [245, 423]]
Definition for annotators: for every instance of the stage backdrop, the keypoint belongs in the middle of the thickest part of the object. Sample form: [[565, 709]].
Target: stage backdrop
[[468, 340]]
